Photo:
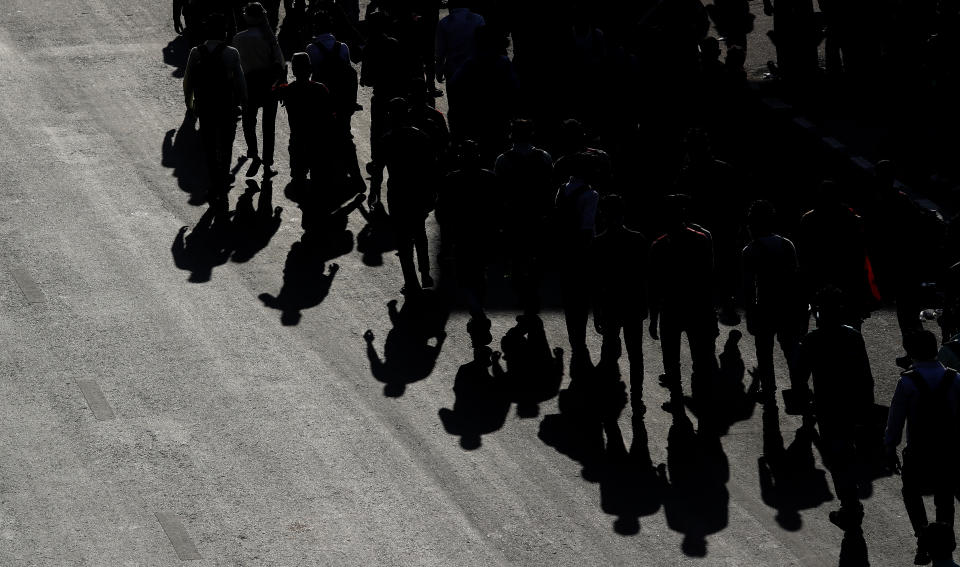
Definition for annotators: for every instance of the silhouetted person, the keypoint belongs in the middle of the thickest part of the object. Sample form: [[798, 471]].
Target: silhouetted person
[[524, 173], [576, 223], [189, 15], [263, 67], [466, 214], [796, 34], [388, 73], [927, 400], [429, 120], [830, 245], [411, 191], [773, 299], [482, 94], [681, 297], [835, 355], [572, 146], [718, 205], [733, 20], [310, 113], [456, 39], [331, 66], [904, 243], [619, 264], [215, 90]]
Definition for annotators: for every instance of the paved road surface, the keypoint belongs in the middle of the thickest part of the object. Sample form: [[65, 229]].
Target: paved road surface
[[155, 409]]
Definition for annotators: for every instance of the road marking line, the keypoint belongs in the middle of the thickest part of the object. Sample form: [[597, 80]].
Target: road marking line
[[95, 400], [29, 287], [178, 536]]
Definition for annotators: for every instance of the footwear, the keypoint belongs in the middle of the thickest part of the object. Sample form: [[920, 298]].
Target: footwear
[[922, 557], [435, 92], [427, 280]]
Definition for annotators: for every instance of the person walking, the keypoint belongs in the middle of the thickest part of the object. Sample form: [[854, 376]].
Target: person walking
[[263, 68], [215, 90], [927, 401]]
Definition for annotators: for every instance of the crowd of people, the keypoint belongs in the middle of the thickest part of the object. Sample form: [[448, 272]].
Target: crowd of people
[[531, 168]]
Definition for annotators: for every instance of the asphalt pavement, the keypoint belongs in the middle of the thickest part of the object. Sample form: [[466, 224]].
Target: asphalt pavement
[[163, 400]]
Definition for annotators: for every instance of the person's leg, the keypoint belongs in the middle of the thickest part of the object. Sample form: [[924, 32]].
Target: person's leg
[[670, 345], [249, 121], [269, 131], [405, 240], [610, 347], [633, 329], [943, 502], [423, 255], [763, 340], [576, 310], [913, 493]]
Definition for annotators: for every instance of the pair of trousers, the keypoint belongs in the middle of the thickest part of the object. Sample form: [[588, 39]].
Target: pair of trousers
[[217, 134], [920, 478], [269, 124]]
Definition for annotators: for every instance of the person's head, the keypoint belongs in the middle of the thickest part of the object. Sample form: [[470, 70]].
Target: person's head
[[254, 14], [612, 208], [467, 153], [921, 346], [521, 131], [939, 540], [215, 27], [322, 23], [300, 63], [398, 111], [572, 136], [710, 49], [675, 209], [761, 218], [829, 306]]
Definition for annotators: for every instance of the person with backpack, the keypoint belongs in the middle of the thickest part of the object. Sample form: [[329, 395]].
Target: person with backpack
[[927, 401], [309, 110], [332, 67], [215, 90], [835, 355], [263, 67]]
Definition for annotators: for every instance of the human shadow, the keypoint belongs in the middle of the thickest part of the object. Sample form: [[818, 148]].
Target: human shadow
[[306, 281], [181, 152], [735, 402], [175, 55], [631, 487], [254, 228], [589, 407], [208, 245], [871, 463], [376, 237], [533, 372], [696, 501], [789, 478], [412, 345], [482, 401], [853, 550]]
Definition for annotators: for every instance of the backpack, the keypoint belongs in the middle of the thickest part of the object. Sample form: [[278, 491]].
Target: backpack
[[338, 75], [214, 88], [934, 427]]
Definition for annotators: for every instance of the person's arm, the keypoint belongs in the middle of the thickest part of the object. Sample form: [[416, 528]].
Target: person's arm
[[865, 394], [177, 13], [188, 79], [239, 82], [897, 417]]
